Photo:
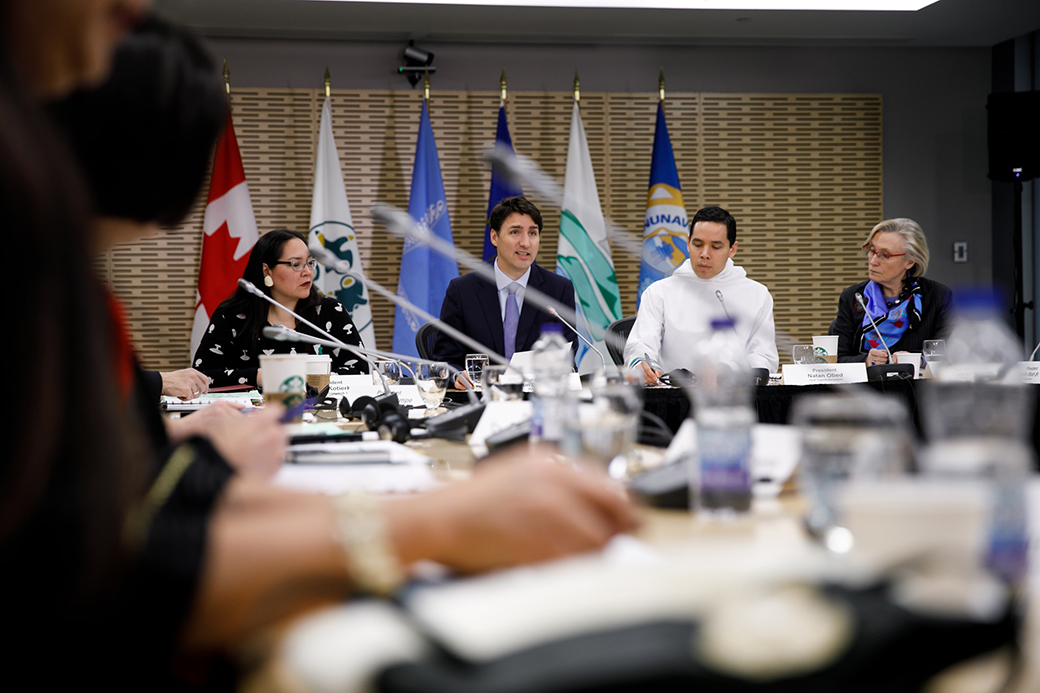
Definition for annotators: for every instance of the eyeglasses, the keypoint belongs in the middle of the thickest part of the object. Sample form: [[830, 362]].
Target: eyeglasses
[[883, 255], [298, 265]]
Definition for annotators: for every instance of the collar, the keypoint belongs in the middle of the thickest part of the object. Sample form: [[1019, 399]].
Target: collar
[[502, 280]]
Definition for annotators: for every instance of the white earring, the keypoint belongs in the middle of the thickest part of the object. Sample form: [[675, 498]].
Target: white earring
[[268, 282]]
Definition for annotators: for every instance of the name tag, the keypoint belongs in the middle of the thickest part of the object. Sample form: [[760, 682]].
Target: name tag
[[825, 373], [1030, 372], [408, 395], [354, 386]]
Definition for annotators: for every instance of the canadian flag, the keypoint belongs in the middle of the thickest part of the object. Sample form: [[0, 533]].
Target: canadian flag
[[229, 232]]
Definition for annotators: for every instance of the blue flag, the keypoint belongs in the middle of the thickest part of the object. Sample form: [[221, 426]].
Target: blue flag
[[665, 228], [424, 273], [500, 189]]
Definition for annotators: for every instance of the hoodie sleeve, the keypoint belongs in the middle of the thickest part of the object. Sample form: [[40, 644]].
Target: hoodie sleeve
[[761, 345]]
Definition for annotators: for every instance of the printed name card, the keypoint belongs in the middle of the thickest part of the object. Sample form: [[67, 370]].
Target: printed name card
[[1030, 372], [825, 373], [354, 386]]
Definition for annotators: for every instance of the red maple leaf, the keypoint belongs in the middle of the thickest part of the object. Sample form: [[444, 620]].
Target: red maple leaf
[[219, 271]]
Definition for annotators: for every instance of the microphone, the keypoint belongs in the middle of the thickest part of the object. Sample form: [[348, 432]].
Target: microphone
[[330, 260], [399, 223], [718, 295], [859, 297], [281, 333], [552, 312], [251, 288]]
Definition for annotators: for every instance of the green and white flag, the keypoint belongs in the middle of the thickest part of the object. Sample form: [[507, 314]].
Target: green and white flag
[[333, 227], [584, 253]]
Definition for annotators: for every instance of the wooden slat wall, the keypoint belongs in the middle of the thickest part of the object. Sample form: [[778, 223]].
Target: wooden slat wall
[[801, 173]]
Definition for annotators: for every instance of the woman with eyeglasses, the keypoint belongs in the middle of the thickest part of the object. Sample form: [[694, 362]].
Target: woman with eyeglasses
[[906, 307], [282, 267]]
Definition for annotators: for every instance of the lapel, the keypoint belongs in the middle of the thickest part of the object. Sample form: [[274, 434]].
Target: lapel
[[529, 312], [487, 297]]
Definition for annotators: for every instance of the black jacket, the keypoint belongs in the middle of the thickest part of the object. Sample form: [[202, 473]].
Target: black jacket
[[848, 325]]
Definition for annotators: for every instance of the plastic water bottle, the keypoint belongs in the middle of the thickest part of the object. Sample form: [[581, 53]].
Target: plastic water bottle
[[978, 416], [552, 363], [722, 397]]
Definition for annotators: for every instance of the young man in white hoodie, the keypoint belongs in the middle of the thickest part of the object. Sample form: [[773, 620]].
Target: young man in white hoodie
[[676, 312]]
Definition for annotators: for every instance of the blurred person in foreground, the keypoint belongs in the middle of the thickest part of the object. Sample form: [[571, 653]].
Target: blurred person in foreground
[[129, 563], [907, 307], [677, 311]]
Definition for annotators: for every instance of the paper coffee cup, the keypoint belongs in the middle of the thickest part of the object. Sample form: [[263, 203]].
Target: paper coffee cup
[[826, 347], [913, 357], [319, 367], [285, 380]]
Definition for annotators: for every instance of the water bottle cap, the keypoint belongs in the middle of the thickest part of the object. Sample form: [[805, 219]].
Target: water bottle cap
[[552, 327], [722, 324], [978, 299]]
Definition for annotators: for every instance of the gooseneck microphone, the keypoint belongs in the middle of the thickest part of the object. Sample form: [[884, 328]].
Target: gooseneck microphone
[[859, 297], [282, 333], [718, 295], [552, 312], [329, 259], [399, 223], [336, 343]]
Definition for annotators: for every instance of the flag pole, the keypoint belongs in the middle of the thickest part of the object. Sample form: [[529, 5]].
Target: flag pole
[[660, 85], [227, 84], [426, 85], [502, 82], [328, 83], [577, 87]]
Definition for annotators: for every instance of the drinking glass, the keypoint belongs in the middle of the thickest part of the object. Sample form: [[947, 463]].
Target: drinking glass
[[802, 354], [433, 381], [391, 370], [934, 350], [605, 429], [502, 384], [475, 364]]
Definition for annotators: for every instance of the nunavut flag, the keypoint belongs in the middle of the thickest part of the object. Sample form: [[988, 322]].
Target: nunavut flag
[[229, 232], [665, 228]]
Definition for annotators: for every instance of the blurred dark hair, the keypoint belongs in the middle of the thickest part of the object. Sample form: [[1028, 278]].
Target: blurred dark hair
[[267, 251], [70, 473], [718, 215], [144, 137], [514, 205]]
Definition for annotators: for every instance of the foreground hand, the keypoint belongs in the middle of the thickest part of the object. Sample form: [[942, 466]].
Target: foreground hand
[[877, 357], [184, 384], [520, 509], [252, 443], [203, 422]]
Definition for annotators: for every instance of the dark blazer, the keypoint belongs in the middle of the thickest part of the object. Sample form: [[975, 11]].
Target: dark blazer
[[471, 306], [848, 325]]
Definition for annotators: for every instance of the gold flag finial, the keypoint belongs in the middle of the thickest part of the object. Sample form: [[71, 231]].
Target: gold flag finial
[[328, 83], [227, 79], [502, 82], [660, 85], [426, 84], [577, 86]]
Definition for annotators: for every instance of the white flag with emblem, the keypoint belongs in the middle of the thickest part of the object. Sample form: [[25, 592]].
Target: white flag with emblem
[[584, 253], [333, 227]]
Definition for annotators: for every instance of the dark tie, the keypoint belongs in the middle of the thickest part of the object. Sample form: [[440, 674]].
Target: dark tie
[[512, 320]]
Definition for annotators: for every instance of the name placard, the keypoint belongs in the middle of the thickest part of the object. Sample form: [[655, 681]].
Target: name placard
[[1030, 372], [353, 386], [825, 373]]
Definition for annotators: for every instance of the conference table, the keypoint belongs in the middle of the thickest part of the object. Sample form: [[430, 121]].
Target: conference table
[[676, 566]]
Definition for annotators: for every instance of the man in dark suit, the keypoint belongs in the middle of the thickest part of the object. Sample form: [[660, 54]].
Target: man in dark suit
[[488, 312]]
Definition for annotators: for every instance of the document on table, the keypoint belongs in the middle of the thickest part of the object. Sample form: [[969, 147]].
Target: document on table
[[374, 467], [245, 399]]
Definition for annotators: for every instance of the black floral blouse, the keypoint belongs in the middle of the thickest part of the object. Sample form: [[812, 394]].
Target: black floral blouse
[[224, 356]]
